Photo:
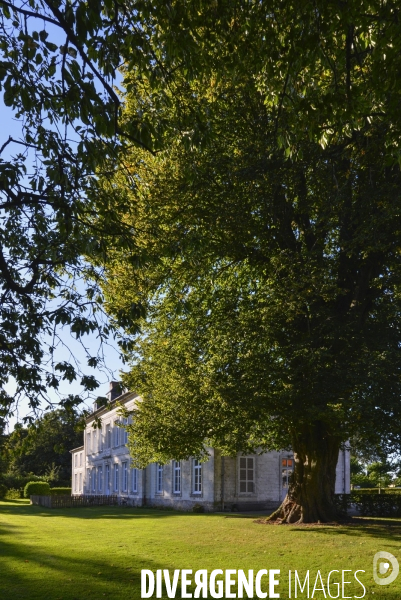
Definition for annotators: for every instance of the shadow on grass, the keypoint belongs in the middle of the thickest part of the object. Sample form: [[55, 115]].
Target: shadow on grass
[[37, 575], [382, 530]]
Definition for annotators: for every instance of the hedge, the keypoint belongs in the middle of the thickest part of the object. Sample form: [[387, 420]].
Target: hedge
[[376, 491], [36, 488], [377, 505], [60, 491]]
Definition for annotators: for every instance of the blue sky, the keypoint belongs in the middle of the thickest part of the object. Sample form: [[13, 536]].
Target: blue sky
[[72, 349]]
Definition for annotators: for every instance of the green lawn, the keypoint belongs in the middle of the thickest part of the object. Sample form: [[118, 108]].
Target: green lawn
[[96, 553]]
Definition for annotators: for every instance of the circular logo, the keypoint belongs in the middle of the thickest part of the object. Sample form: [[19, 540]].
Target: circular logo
[[384, 562]]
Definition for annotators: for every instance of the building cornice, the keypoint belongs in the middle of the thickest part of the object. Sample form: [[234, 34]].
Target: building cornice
[[76, 449], [123, 399]]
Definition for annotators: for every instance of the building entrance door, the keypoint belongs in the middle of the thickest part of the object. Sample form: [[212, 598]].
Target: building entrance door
[[287, 468]]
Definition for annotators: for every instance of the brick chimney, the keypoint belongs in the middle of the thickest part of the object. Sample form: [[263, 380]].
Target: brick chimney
[[115, 390]]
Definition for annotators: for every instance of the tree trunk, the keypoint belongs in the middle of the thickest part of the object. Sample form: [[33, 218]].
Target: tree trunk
[[310, 497]]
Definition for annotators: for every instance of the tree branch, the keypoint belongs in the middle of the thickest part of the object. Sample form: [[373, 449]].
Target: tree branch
[[29, 13]]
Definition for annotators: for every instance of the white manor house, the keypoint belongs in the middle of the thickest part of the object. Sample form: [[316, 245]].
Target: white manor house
[[256, 481]]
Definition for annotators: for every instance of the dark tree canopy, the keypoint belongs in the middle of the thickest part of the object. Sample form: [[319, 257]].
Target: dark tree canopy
[[271, 272]]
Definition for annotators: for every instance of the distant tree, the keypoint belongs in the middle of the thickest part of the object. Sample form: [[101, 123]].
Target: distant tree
[[44, 446], [372, 474]]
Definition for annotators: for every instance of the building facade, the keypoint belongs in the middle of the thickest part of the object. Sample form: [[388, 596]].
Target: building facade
[[253, 482]]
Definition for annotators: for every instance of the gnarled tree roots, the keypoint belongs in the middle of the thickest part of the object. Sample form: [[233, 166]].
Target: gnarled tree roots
[[291, 512]]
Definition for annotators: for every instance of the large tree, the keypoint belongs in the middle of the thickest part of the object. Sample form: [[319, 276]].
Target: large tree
[[268, 259]]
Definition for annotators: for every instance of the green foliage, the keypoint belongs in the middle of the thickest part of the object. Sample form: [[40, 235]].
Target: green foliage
[[271, 283], [355, 466], [14, 494], [326, 73], [374, 474], [3, 490], [43, 448], [362, 481], [60, 491], [36, 488]]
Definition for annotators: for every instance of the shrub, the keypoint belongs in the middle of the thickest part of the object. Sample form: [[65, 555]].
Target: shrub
[[37, 488], [60, 491], [14, 494]]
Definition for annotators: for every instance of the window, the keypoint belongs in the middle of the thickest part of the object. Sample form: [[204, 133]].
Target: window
[[176, 476], [75, 460], [100, 442], [246, 475], [197, 477], [94, 440], [107, 482], [125, 432], [116, 433], [287, 467], [80, 482], [80, 459], [125, 476], [108, 436], [88, 480], [115, 479], [75, 483], [94, 480], [88, 443], [159, 478], [134, 480], [100, 479]]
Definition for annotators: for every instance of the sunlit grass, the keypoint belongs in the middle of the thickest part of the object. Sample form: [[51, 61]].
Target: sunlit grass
[[95, 553]]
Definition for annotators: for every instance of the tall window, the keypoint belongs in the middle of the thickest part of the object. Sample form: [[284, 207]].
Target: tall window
[[115, 478], [75, 460], [134, 480], [107, 481], [125, 432], [88, 443], [94, 440], [287, 467], [125, 476], [100, 479], [246, 475], [108, 436], [76, 483], [88, 480], [159, 478], [176, 476], [80, 482], [93, 480], [80, 459], [116, 433], [197, 476]]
